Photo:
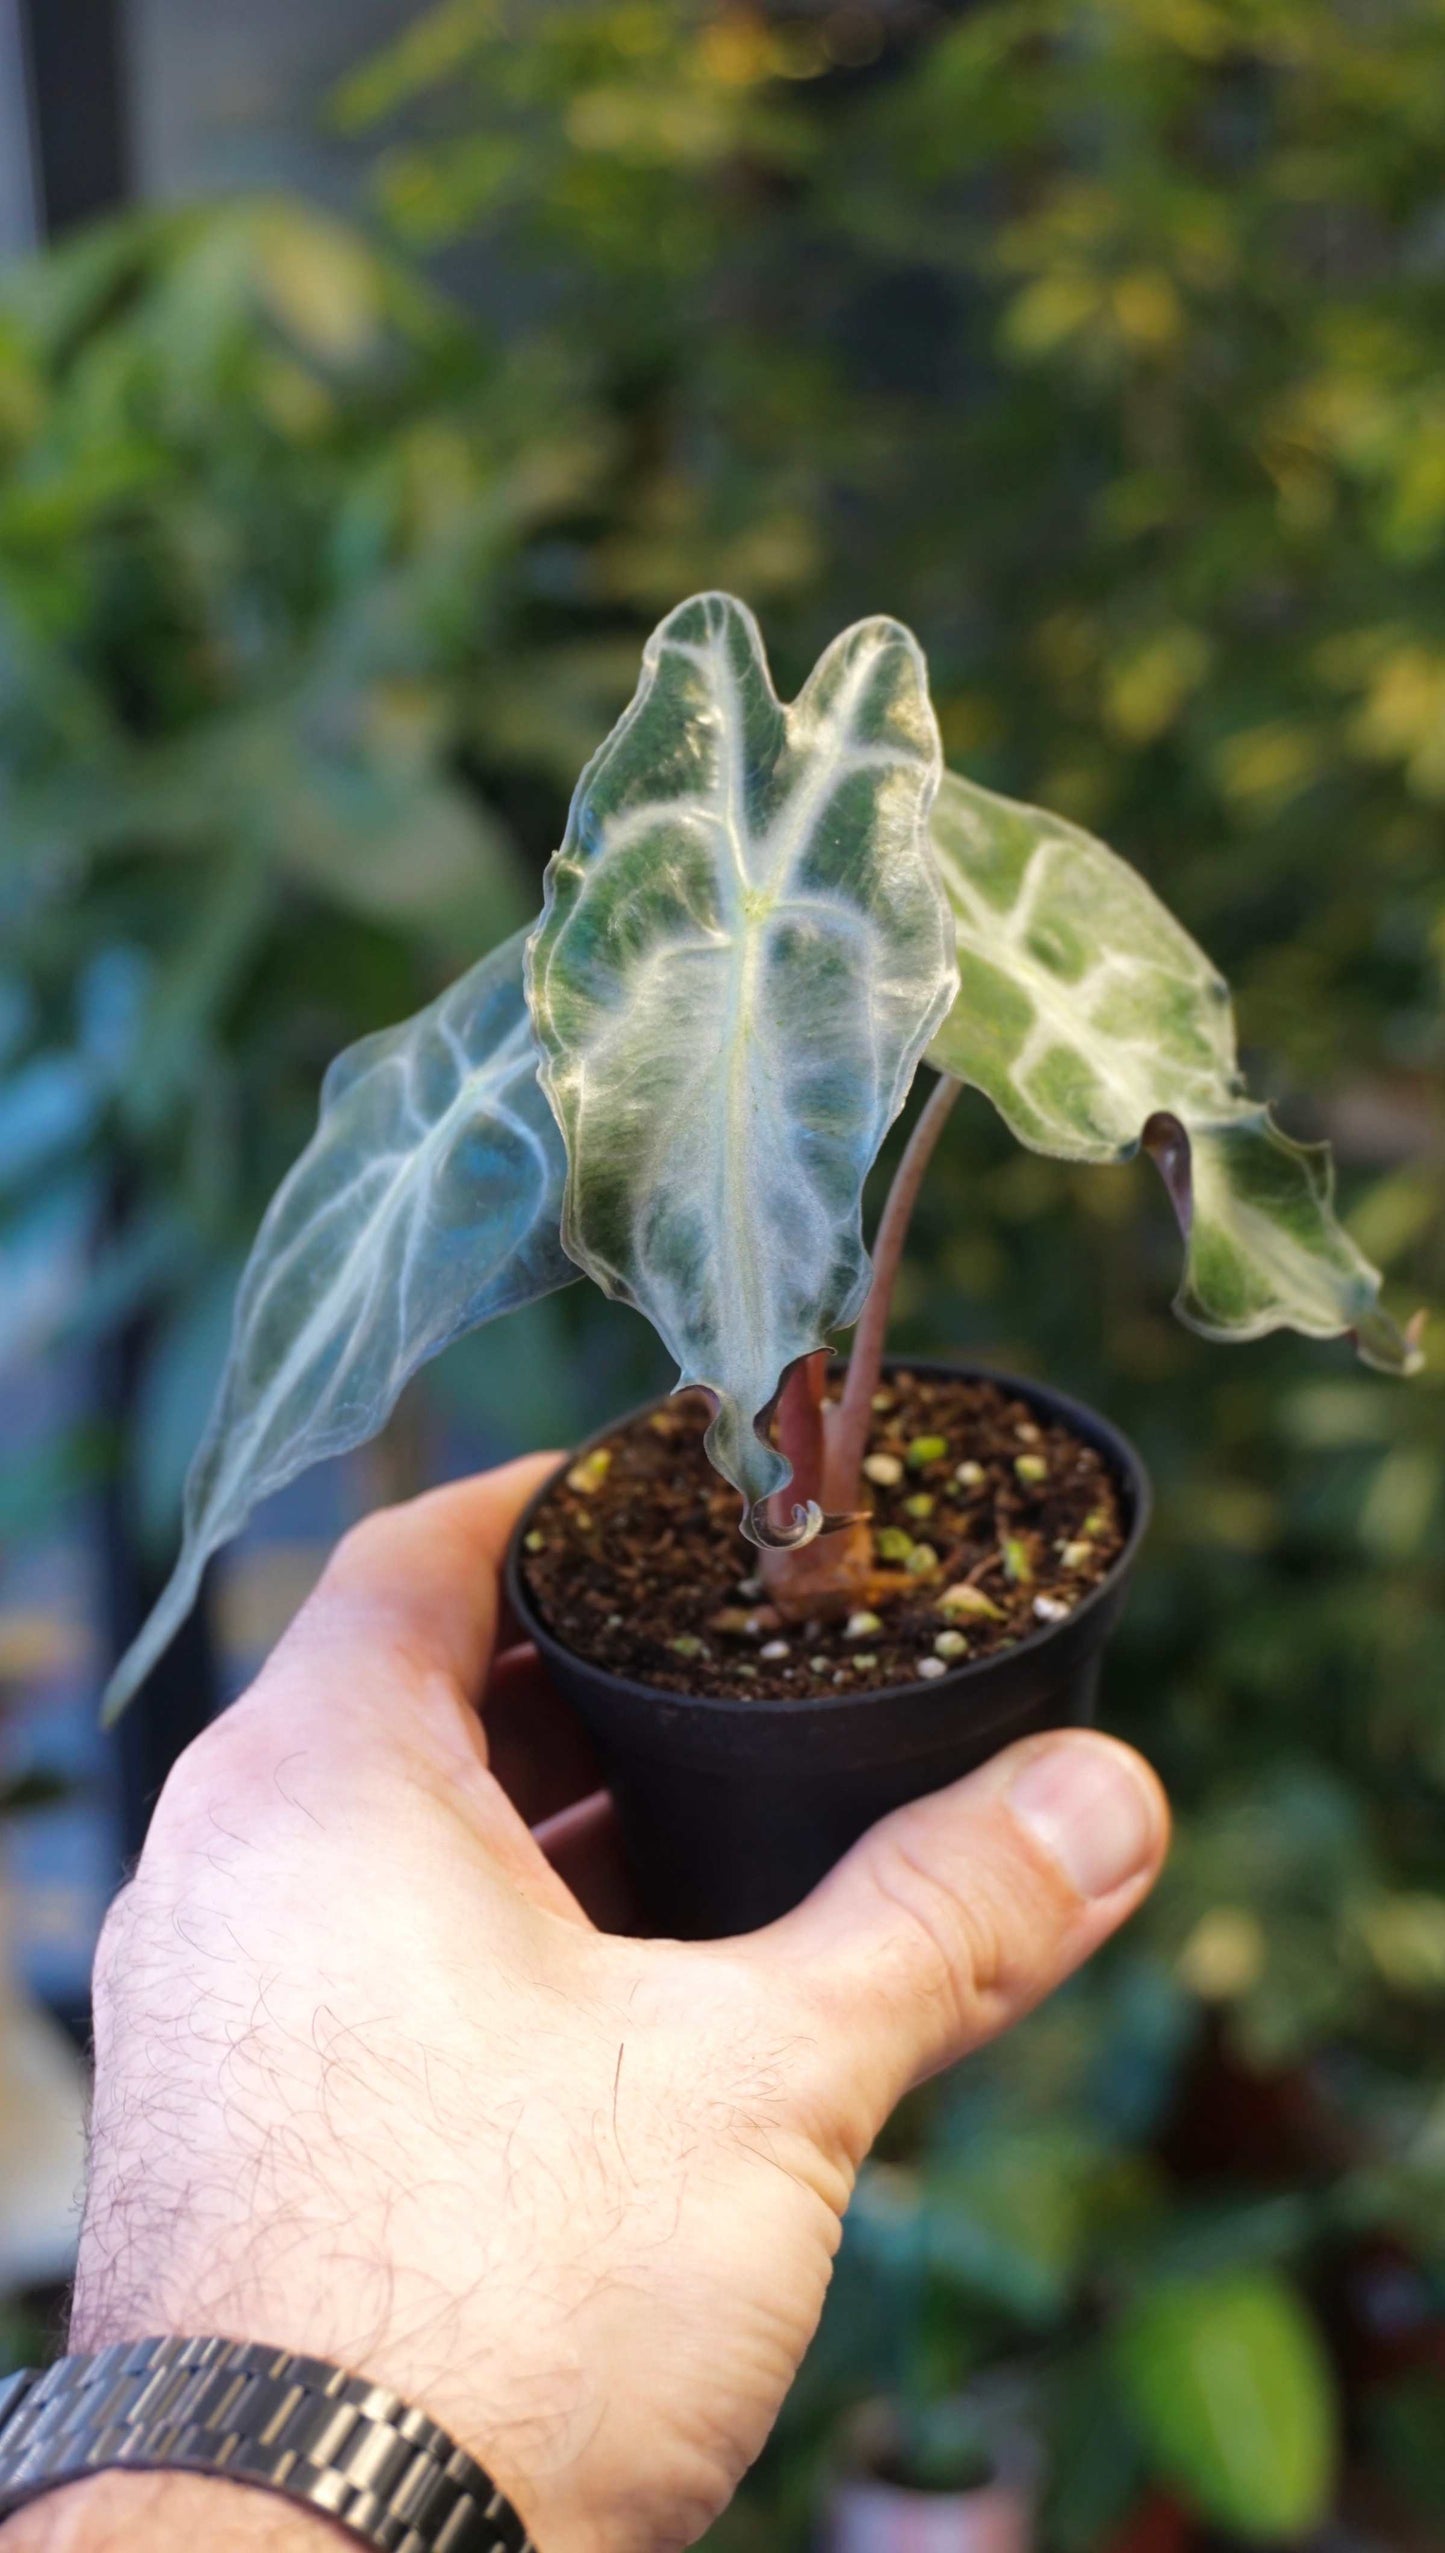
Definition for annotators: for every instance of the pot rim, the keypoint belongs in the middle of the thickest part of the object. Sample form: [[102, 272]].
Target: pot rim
[[1088, 1423]]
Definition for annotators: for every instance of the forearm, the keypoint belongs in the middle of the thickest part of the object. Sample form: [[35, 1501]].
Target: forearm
[[166, 2513]]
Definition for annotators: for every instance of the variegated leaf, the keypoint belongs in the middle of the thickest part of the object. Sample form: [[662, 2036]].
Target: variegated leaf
[[428, 1200], [1096, 1025], [743, 952]]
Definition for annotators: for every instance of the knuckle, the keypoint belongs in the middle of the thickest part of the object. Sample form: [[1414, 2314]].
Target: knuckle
[[196, 1775], [114, 1943], [355, 1555], [971, 1954], [223, 1774], [948, 1946]]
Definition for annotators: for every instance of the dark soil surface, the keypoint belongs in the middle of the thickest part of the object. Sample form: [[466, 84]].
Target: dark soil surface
[[636, 1562]]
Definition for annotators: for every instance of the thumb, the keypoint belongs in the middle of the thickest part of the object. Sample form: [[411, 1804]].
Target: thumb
[[956, 1915]]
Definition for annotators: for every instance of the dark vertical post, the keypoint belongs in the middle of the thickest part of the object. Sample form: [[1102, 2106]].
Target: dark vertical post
[[179, 1695], [75, 57], [19, 175]]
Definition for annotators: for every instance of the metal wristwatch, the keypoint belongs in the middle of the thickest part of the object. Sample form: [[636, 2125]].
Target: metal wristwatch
[[330, 2441]]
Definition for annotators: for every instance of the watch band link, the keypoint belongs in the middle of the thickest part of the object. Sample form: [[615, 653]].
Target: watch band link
[[331, 2441]]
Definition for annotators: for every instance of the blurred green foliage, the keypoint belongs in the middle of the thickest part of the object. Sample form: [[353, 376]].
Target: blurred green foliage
[[265, 509], [1099, 339]]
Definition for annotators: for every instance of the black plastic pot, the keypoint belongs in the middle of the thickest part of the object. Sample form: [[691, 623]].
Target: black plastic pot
[[731, 1811]]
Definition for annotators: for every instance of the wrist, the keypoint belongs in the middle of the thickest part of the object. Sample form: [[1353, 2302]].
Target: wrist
[[167, 2513], [286, 2439], [387, 2363], [298, 2242]]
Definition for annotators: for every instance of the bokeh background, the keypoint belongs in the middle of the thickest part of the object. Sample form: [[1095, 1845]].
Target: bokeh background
[[372, 376]]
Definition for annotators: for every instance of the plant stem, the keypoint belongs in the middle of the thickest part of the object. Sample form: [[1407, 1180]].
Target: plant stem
[[800, 1434], [849, 1422], [834, 1573]]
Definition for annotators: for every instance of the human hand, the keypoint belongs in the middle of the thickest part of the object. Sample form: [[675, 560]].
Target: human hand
[[373, 2085]]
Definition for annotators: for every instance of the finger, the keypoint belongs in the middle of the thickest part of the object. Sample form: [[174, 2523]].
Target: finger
[[536, 1745], [957, 1914], [405, 1613], [511, 1633], [584, 1846]]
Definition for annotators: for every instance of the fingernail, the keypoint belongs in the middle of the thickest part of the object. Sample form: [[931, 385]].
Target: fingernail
[[1091, 1809]]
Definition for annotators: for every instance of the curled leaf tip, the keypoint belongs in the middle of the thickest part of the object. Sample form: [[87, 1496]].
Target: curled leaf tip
[[807, 1523], [1167, 1144], [1389, 1349]]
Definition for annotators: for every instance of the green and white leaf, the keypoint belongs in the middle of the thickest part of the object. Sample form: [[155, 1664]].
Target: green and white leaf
[[1096, 1025], [428, 1201], [744, 950]]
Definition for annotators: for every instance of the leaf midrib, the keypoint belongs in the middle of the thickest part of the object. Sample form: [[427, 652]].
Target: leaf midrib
[[755, 899]]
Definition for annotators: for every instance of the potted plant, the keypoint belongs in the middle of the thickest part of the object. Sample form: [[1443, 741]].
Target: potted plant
[[939, 2451], [930, 2476], [762, 919]]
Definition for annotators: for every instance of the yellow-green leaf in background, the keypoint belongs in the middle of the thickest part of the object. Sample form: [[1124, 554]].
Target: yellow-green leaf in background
[[1230, 2391]]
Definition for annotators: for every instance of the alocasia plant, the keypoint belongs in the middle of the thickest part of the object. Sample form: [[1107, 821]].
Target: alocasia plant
[[759, 922]]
